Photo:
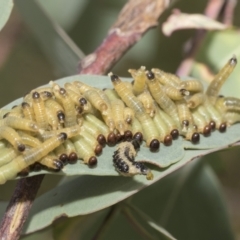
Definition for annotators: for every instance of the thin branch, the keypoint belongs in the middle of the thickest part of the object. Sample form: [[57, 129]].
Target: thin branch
[[228, 13], [19, 207], [134, 20]]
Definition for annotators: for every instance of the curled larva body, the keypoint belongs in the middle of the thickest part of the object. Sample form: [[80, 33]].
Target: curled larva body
[[76, 97], [69, 109], [56, 109], [7, 155], [128, 115], [20, 123], [53, 120], [84, 151], [195, 100], [102, 127], [10, 170], [28, 112], [166, 78], [202, 125], [163, 130], [216, 84], [12, 137], [191, 85], [125, 164], [126, 95], [117, 111], [228, 104], [39, 111], [148, 102], [29, 140], [174, 93], [160, 96], [139, 77]]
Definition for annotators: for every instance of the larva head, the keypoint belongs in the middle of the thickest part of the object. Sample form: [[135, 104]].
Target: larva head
[[62, 91], [154, 145], [207, 131], [62, 136], [168, 140], [136, 144], [128, 135], [72, 158], [25, 105], [92, 162], [185, 123], [46, 95], [233, 61], [35, 95], [64, 158], [114, 78], [174, 133], [138, 136], [111, 139], [222, 127], [21, 147], [195, 138], [212, 124], [82, 101], [58, 164], [60, 116], [101, 140], [118, 137], [150, 75], [98, 150]]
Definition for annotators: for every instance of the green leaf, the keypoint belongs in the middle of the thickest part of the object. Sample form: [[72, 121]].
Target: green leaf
[[5, 11], [58, 47]]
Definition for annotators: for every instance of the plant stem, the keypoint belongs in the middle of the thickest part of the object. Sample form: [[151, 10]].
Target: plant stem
[[19, 207]]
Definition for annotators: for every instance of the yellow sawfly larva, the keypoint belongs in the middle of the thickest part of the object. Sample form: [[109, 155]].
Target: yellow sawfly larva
[[111, 94], [192, 85], [10, 170], [70, 151], [28, 112], [29, 140], [61, 154], [82, 87], [148, 102], [174, 93], [84, 151], [124, 160], [7, 154], [139, 77], [228, 104], [216, 84], [56, 109], [52, 162], [195, 100], [202, 125]]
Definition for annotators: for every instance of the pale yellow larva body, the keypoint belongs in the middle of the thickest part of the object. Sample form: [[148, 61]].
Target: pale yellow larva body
[[195, 100], [191, 85], [228, 104], [29, 140], [216, 84], [148, 102], [28, 112], [51, 161], [112, 94], [202, 125], [128, 115], [7, 154], [174, 93], [56, 109], [139, 77], [82, 87], [10, 170]]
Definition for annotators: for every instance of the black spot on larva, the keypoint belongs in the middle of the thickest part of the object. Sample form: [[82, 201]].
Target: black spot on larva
[[223, 127], [101, 140], [168, 140], [72, 158], [233, 60], [24, 172], [111, 139], [212, 124], [64, 158], [174, 133], [35, 95], [21, 147], [62, 91], [154, 145], [128, 135], [136, 144], [58, 164], [61, 116], [185, 123], [79, 110], [92, 162], [47, 94], [83, 101], [36, 167], [138, 136], [195, 138], [114, 78], [25, 104], [98, 150], [150, 75], [63, 135], [207, 131]]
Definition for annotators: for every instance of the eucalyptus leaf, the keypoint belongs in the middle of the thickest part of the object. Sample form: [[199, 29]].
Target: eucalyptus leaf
[[5, 11]]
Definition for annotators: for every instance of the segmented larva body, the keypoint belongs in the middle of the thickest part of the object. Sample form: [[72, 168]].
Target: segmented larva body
[[191, 86], [56, 109], [10, 170], [70, 151], [139, 77], [52, 162], [216, 84], [148, 102], [224, 104], [124, 161], [28, 112], [128, 115], [195, 100], [7, 155], [175, 94]]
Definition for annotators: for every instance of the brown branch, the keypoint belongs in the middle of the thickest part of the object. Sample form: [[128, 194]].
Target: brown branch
[[212, 10], [228, 13], [136, 17], [19, 207]]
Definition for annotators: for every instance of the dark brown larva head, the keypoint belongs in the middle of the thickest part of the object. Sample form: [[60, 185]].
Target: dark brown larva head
[[233, 61], [111, 139], [62, 91], [185, 123], [207, 131], [25, 105], [222, 127], [21, 147], [58, 164], [47, 94], [118, 137], [195, 138], [136, 144], [24, 172], [154, 145], [138, 136], [128, 135], [150, 75], [168, 140], [64, 158], [114, 78], [92, 162], [83, 101], [63, 136], [212, 124], [35, 95], [101, 140], [174, 133], [98, 150], [61, 116], [72, 158]]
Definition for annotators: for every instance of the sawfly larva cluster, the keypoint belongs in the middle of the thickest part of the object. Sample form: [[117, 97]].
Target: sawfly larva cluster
[[56, 125]]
